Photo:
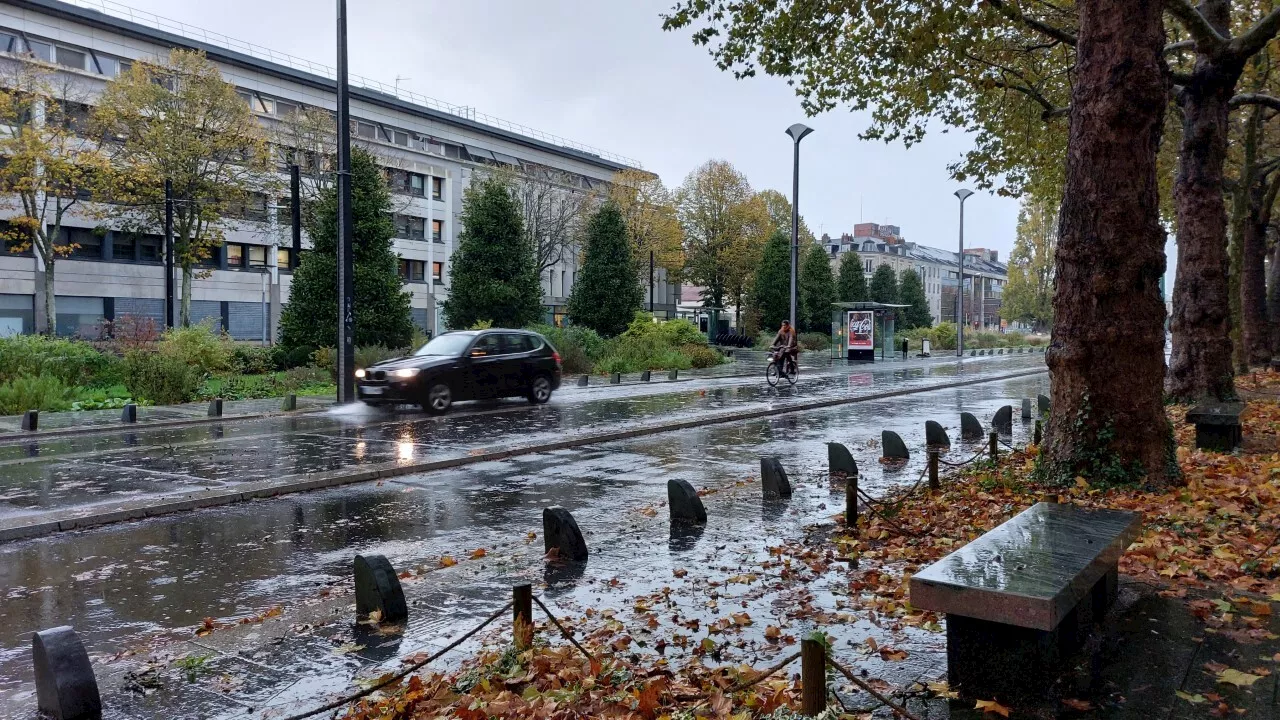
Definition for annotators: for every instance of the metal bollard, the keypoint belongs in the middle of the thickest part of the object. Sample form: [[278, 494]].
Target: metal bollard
[[1038, 432], [994, 439], [522, 615], [813, 678], [933, 470], [851, 503]]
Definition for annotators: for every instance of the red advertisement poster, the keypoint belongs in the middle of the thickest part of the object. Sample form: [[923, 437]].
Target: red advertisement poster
[[862, 329]]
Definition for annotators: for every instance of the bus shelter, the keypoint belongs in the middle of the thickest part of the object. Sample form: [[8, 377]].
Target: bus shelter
[[861, 332]]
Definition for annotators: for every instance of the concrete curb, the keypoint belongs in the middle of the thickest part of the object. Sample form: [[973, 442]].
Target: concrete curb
[[20, 438], [73, 519]]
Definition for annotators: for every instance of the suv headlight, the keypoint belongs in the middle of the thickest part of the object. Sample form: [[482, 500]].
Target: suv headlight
[[407, 372], [359, 373]]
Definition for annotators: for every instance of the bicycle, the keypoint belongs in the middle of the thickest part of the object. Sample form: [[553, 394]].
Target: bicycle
[[780, 366]]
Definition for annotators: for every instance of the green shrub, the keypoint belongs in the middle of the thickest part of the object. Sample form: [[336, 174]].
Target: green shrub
[[675, 333], [252, 359], [579, 347], [373, 354], [73, 362], [941, 336], [420, 338], [632, 354], [1036, 341], [326, 358], [160, 378], [300, 378], [41, 392], [1014, 338], [815, 341], [701, 356], [102, 400], [286, 358], [199, 347]]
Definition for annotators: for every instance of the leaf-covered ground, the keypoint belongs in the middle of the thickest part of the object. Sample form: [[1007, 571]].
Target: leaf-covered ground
[[1210, 546]]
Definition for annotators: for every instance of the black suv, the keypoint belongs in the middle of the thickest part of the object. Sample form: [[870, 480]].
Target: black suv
[[468, 365]]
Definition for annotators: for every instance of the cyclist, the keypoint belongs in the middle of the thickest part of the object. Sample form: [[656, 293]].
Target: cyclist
[[787, 340]]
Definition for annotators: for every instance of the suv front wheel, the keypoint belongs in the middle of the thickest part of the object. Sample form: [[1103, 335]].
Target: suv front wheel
[[439, 398], [540, 389]]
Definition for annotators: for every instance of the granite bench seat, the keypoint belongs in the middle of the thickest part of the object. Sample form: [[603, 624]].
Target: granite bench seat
[[1021, 598], [1217, 425]]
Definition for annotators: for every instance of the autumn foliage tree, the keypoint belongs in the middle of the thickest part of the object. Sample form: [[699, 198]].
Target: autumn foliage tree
[[50, 167], [177, 119], [1028, 295], [649, 213]]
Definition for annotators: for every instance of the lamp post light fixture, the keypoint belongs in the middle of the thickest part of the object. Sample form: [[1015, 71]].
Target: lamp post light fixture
[[797, 133], [963, 194]]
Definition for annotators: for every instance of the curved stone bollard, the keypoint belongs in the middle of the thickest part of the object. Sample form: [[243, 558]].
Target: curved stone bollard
[[674, 374], [215, 407], [560, 532], [685, 504], [1026, 408], [970, 428], [378, 589], [583, 380], [1003, 420], [773, 478], [31, 420], [289, 403], [615, 378], [892, 446], [129, 414], [935, 435], [65, 686], [646, 376], [840, 461], [1043, 404]]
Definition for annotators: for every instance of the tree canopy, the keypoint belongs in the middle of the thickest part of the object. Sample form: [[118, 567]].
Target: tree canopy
[[382, 314], [606, 294], [725, 227], [851, 285], [771, 295], [884, 286], [648, 209], [1028, 296], [911, 293], [817, 290], [495, 275]]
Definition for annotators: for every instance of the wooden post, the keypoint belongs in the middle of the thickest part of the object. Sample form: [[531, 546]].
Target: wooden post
[[933, 470], [994, 438], [522, 610], [851, 502], [1039, 430], [813, 678]]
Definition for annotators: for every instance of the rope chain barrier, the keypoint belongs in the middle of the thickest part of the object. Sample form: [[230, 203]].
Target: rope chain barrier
[[895, 707], [551, 616]]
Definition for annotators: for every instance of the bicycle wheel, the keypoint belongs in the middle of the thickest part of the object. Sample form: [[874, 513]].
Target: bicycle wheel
[[793, 375], [771, 374]]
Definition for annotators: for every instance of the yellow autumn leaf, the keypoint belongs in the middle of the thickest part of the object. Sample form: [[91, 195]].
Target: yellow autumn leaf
[[991, 706], [1232, 676], [1193, 699], [477, 554], [942, 690], [446, 561]]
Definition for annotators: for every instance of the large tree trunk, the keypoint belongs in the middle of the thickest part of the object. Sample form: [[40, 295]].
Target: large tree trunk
[[1273, 297], [1200, 366], [50, 299], [1106, 357], [1253, 280], [185, 305]]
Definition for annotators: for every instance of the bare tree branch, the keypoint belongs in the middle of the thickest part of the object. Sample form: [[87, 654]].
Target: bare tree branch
[[1257, 37], [1179, 46], [1044, 28], [1255, 99], [1207, 39]]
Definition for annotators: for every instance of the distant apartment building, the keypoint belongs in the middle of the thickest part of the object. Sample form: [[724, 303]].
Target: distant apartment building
[[939, 270], [432, 151]]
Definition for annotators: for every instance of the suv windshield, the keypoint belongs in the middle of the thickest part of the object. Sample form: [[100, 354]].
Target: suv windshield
[[450, 344]]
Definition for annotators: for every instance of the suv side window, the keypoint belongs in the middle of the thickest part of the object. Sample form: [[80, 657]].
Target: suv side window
[[486, 346], [514, 344]]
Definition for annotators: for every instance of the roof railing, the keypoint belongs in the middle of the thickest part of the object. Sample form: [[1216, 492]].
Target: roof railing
[[176, 27]]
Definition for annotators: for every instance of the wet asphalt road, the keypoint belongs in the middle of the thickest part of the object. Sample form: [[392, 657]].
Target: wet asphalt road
[[121, 584]]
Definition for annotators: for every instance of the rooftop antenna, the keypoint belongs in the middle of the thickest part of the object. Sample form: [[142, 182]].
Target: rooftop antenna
[[859, 208]]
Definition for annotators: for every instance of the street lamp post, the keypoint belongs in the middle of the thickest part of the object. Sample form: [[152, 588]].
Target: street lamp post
[[797, 133], [963, 194], [346, 228]]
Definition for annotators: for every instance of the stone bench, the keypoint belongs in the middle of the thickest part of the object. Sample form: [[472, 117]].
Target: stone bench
[[1021, 598], [1217, 425]]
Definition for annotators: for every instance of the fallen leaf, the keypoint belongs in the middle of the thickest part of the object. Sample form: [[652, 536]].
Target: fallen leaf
[[347, 649], [892, 654], [991, 706], [772, 633], [446, 561], [942, 690], [477, 554], [1193, 699], [679, 572], [1077, 705], [1232, 676]]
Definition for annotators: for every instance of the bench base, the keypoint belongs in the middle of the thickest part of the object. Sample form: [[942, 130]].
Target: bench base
[[988, 660], [1219, 438]]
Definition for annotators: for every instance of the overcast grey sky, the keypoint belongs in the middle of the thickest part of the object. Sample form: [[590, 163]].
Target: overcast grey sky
[[605, 74]]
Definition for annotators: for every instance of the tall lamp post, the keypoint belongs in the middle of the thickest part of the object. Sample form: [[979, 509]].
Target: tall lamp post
[[963, 194], [346, 227], [797, 133]]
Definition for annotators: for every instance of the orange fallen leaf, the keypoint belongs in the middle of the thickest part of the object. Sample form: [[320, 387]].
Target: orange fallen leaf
[[991, 706], [477, 554], [446, 561], [1077, 705], [679, 572]]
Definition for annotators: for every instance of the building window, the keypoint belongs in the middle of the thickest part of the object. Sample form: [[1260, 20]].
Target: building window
[[257, 255], [86, 244], [413, 270], [564, 289], [411, 228], [42, 50], [417, 184], [400, 137], [437, 188], [868, 266], [437, 271], [235, 256], [150, 248], [284, 258], [286, 109], [122, 246], [437, 231], [366, 130], [70, 58]]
